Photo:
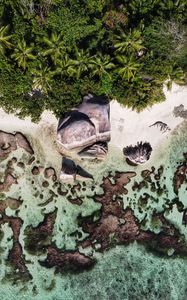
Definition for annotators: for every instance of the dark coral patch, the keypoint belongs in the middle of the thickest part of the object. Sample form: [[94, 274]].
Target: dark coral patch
[[71, 261], [16, 258], [38, 238], [180, 177]]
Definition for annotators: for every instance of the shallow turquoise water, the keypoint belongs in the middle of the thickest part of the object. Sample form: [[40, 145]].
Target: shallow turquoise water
[[123, 272]]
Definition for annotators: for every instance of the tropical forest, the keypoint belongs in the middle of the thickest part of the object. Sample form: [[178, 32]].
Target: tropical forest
[[53, 52]]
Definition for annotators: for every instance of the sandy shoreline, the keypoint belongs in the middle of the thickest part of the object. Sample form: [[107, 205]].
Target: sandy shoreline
[[42, 135], [127, 126]]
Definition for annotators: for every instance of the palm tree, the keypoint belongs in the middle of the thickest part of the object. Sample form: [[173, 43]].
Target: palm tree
[[175, 74], [43, 78], [56, 48], [142, 7], [23, 7], [129, 67], [100, 65], [4, 39], [65, 66], [22, 54], [81, 63], [178, 6], [129, 43]]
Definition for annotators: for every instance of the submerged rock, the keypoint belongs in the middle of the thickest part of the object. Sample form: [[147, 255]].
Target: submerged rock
[[138, 154], [67, 261]]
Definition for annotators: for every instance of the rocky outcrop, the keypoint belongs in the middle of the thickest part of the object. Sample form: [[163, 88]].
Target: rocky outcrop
[[70, 171], [138, 154], [85, 126], [179, 111], [10, 142], [99, 149], [83, 132]]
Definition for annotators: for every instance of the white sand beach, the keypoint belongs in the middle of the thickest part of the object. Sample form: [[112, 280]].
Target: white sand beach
[[127, 126]]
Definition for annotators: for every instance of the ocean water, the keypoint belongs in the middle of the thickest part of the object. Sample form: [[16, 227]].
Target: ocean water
[[122, 272]]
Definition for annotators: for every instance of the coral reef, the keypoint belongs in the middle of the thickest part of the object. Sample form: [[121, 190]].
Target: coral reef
[[117, 225], [180, 176], [67, 261], [57, 228]]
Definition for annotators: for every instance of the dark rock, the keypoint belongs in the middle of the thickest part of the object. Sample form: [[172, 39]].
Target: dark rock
[[37, 239], [85, 127], [179, 177], [67, 261], [35, 170], [139, 153], [70, 168], [179, 111]]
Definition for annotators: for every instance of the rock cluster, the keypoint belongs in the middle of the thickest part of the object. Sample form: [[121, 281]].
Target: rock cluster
[[86, 126], [84, 131], [179, 111], [137, 154]]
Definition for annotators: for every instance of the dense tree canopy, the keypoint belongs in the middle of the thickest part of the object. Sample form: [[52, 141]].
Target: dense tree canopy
[[52, 52]]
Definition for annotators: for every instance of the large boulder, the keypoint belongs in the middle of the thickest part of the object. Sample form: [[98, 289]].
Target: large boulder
[[137, 154], [85, 126]]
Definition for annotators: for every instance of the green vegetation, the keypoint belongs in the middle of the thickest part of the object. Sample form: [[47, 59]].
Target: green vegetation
[[52, 52]]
